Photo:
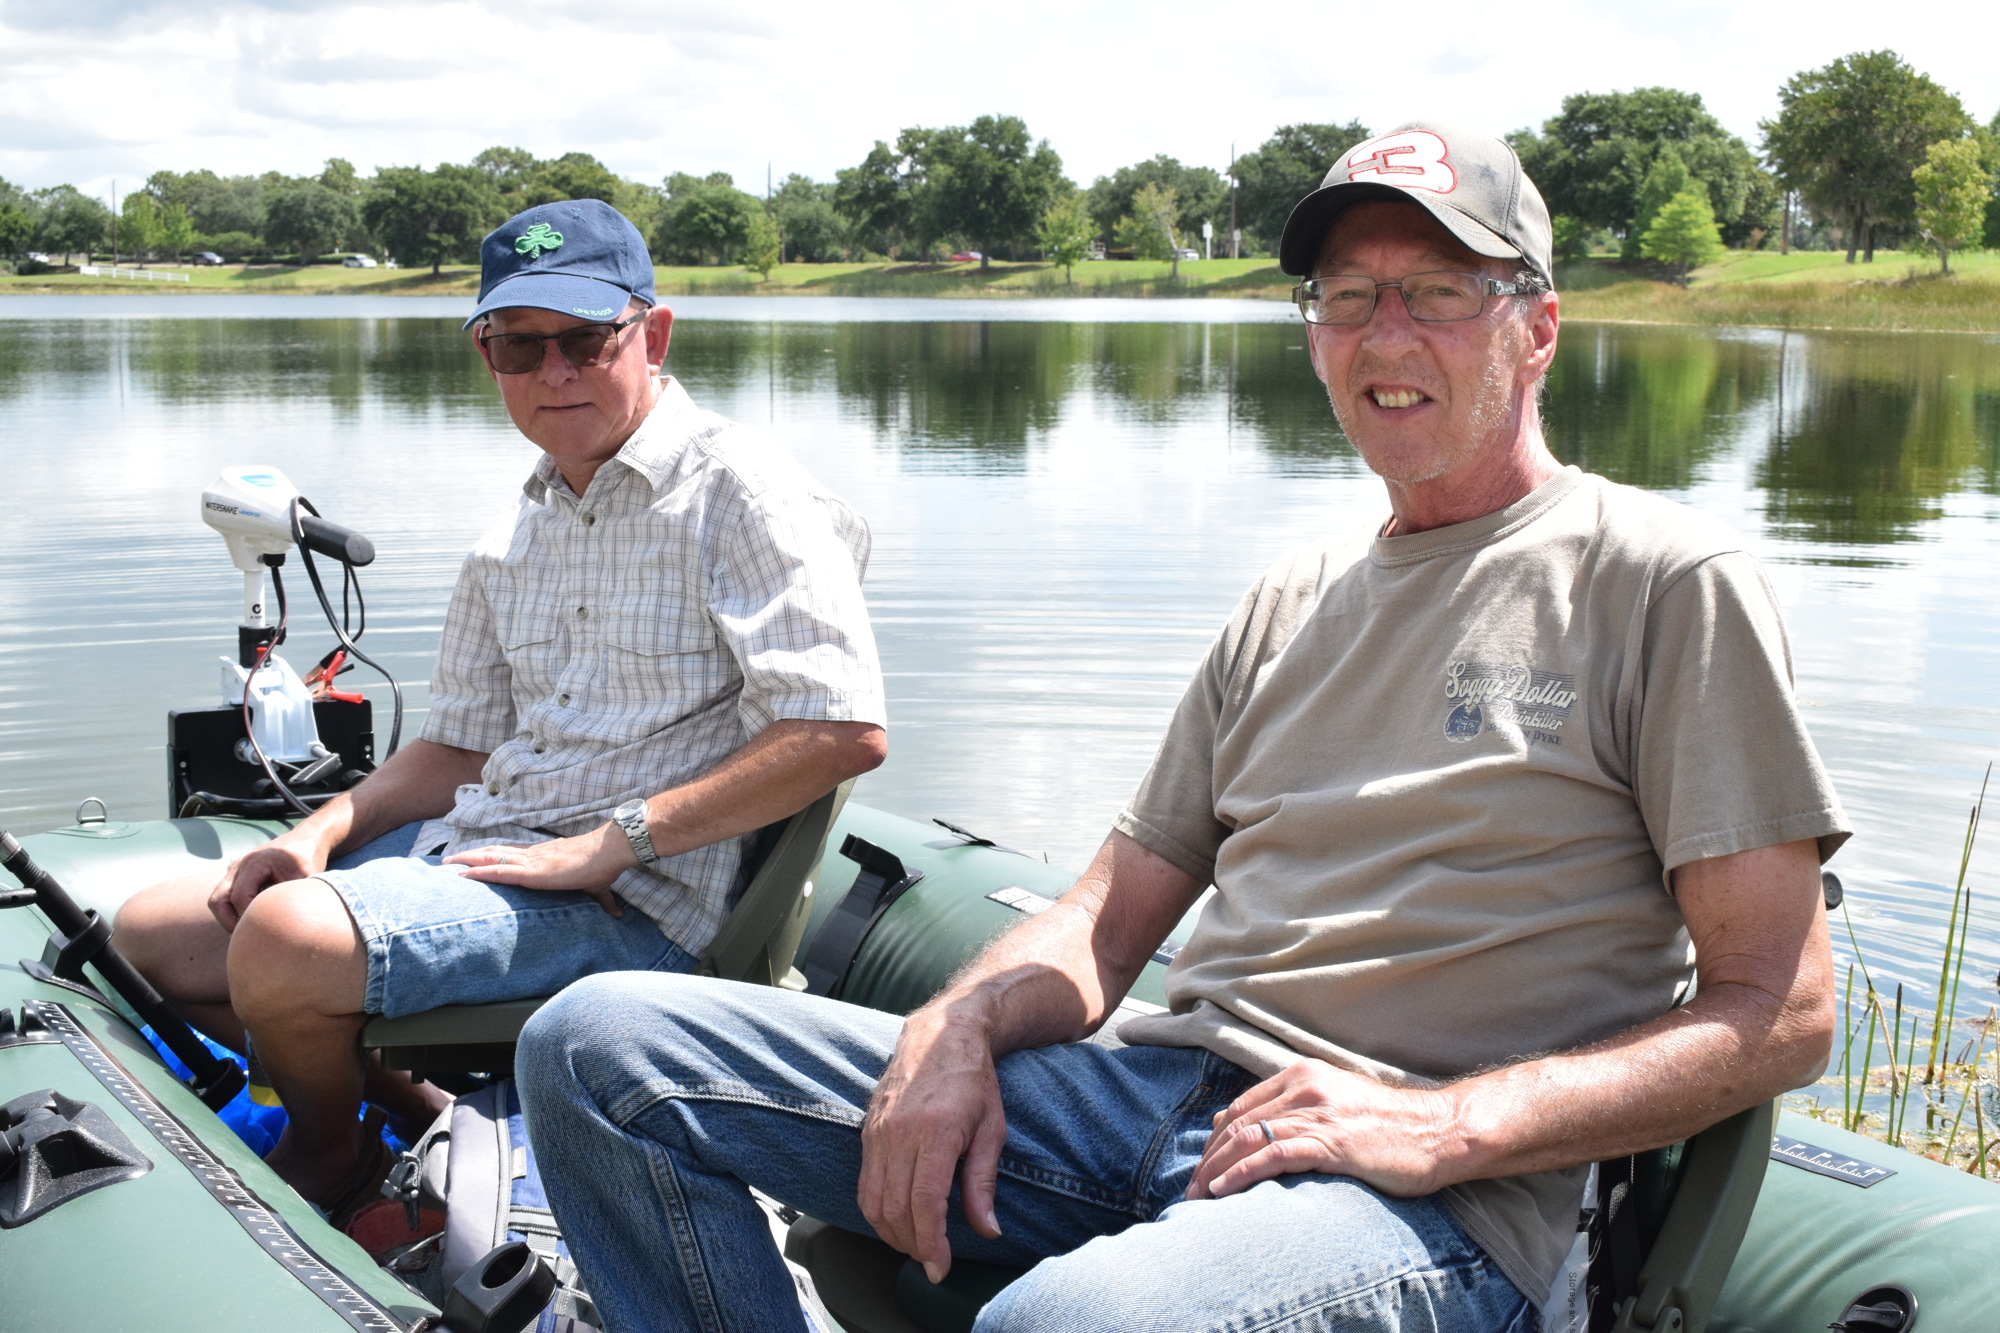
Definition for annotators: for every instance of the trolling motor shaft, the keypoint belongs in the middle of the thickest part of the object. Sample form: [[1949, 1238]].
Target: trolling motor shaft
[[85, 937]]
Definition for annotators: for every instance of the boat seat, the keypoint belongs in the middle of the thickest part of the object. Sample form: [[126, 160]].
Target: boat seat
[[756, 944], [1692, 1204]]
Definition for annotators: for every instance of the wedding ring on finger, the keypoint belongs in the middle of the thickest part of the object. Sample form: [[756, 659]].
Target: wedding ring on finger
[[1269, 1137]]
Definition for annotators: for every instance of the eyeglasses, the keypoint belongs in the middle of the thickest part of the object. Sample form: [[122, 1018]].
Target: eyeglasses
[[1434, 298], [584, 345]]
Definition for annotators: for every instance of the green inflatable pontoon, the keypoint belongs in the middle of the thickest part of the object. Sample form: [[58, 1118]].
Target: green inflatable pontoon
[[126, 1204]]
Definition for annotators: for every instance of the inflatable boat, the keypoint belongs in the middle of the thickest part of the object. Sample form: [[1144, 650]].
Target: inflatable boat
[[127, 1204]]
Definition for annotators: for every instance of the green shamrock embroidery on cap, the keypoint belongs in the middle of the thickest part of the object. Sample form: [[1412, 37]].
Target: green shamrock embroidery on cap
[[538, 240]]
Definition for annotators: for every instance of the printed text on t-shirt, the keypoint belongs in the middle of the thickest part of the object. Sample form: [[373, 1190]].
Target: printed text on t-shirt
[[1489, 696]]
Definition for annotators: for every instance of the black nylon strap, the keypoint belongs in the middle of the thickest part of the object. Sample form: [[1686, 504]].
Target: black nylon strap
[[882, 880], [1615, 1254]]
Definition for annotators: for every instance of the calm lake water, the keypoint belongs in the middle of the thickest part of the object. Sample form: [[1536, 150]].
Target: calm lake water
[[1067, 499]]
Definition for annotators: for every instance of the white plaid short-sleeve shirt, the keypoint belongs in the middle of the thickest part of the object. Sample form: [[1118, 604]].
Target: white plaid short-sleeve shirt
[[621, 643]]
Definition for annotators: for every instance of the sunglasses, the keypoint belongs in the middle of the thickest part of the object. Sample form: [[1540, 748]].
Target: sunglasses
[[583, 346]]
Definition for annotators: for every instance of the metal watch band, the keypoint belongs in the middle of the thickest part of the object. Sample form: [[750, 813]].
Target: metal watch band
[[631, 817]]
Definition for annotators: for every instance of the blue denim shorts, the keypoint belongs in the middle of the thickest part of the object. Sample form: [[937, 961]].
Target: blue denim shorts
[[435, 937]]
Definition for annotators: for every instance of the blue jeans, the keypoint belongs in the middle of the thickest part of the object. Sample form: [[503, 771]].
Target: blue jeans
[[434, 937], [653, 1100]]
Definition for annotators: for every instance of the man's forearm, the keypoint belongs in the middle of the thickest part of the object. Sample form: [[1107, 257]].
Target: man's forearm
[[419, 781], [777, 773], [1654, 1085], [1761, 1023], [1058, 974]]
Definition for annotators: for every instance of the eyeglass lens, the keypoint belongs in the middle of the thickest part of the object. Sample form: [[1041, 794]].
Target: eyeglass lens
[[1435, 297], [520, 353]]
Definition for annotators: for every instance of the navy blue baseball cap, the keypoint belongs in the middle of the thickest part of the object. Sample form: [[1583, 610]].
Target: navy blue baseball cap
[[579, 257]]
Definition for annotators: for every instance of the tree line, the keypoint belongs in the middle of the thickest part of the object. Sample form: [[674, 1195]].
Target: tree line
[[1864, 153]]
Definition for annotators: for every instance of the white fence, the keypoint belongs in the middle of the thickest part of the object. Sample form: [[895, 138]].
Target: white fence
[[137, 274]]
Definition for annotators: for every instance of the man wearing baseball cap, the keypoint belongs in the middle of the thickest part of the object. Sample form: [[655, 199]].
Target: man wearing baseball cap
[[659, 649], [1480, 792]]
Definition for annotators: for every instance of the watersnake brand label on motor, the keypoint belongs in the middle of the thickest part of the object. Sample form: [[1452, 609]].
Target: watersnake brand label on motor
[[271, 1232], [1029, 902], [1827, 1162]]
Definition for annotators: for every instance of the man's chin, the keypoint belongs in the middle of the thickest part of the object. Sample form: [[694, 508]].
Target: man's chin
[[1404, 464]]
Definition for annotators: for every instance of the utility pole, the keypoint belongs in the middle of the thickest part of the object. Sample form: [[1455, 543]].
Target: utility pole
[[1235, 235], [774, 216], [114, 223]]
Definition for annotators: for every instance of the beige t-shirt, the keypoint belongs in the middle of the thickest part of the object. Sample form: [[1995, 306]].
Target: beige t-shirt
[[1438, 781]]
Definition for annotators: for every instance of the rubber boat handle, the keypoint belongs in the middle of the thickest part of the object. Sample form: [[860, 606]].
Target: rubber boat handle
[[86, 940], [335, 541]]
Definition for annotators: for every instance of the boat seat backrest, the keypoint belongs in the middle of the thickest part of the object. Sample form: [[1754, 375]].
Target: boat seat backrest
[[756, 944]]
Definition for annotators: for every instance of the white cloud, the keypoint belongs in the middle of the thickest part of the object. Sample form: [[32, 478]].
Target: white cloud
[[96, 89]]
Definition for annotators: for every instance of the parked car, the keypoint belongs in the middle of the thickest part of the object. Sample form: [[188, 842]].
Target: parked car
[[1187, 254], [966, 257], [357, 261], [205, 259]]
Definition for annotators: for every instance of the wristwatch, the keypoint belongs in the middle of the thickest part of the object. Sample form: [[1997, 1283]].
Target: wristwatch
[[631, 817]]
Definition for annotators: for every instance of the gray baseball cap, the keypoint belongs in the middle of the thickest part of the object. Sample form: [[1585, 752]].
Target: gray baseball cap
[[1470, 182]]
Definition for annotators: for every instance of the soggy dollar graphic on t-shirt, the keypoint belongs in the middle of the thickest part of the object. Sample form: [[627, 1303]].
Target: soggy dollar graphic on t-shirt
[[1500, 696]]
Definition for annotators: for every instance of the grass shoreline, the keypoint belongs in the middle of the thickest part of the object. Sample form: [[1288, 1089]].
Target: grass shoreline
[[1813, 291]]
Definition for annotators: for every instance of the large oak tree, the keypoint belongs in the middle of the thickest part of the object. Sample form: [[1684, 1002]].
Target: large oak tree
[[1848, 136]]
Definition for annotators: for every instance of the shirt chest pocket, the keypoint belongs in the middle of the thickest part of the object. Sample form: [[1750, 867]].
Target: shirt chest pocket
[[665, 661]]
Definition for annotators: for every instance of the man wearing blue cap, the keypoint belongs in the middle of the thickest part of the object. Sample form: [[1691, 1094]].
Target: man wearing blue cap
[[661, 648]]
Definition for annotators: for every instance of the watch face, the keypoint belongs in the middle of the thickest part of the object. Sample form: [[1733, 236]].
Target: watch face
[[629, 810]]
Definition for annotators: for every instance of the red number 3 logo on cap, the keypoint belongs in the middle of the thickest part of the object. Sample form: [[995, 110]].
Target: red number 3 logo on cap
[[1413, 159]]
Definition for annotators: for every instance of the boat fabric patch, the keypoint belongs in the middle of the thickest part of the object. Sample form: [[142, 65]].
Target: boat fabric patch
[[270, 1231], [1028, 902], [1827, 1162]]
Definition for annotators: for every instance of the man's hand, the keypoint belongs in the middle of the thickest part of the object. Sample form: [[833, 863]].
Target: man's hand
[[586, 863], [1327, 1119], [279, 861], [937, 1102]]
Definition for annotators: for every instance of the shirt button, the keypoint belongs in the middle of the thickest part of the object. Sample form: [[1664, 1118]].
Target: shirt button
[[589, 520], [562, 701], [492, 789], [583, 613]]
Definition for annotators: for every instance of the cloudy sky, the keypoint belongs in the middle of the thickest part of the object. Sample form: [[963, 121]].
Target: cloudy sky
[[93, 91]]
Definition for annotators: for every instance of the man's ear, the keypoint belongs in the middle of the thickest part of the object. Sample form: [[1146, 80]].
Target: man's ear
[[479, 327], [1543, 322], [659, 326]]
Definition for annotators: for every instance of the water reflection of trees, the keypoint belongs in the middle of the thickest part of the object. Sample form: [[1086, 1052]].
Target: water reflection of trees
[[1871, 433], [1649, 407], [418, 364]]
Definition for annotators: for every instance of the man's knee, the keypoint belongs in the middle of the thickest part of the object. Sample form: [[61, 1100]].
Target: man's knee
[[168, 933], [609, 1008], [296, 947]]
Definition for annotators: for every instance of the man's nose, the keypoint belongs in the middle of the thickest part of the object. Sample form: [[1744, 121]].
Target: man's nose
[[555, 367], [1391, 320]]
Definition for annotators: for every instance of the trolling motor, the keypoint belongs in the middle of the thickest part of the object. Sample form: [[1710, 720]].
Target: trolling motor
[[279, 744]]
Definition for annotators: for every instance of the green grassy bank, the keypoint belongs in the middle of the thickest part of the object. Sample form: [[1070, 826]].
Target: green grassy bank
[[1123, 278], [1807, 290]]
